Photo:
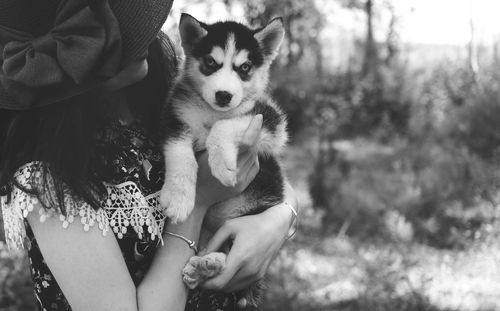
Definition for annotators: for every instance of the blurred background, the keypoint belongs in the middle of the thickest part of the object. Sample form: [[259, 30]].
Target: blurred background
[[394, 115]]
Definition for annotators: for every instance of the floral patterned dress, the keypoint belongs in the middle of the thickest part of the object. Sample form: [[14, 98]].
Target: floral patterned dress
[[133, 168]]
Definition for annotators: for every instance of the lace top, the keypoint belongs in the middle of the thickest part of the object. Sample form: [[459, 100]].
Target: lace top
[[125, 207], [133, 168]]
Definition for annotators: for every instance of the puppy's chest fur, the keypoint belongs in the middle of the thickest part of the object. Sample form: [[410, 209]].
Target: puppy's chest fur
[[199, 118]]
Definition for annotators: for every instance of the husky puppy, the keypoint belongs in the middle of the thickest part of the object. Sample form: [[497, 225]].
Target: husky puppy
[[222, 87]]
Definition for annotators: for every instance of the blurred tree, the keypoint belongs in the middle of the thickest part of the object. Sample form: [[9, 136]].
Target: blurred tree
[[303, 23], [370, 102], [392, 39], [472, 49], [371, 53], [300, 65], [370, 57]]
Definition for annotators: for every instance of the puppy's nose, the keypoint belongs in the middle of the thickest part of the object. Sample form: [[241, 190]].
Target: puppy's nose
[[223, 98]]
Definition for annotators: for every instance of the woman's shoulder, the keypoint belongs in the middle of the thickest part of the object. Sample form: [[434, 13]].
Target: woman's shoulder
[[26, 197], [124, 210]]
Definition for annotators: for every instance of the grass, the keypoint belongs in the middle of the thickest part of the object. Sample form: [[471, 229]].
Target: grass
[[340, 273], [319, 272], [16, 288]]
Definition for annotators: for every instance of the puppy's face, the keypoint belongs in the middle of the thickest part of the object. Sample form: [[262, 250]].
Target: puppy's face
[[226, 61]]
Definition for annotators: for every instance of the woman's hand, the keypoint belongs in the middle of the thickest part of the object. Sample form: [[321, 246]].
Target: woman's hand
[[256, 241], [209, 190]]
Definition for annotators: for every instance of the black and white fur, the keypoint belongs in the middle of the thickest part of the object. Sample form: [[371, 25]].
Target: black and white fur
[[222, 87]]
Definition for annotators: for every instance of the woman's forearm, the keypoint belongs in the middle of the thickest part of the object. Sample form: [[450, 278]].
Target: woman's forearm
[[162, 287]]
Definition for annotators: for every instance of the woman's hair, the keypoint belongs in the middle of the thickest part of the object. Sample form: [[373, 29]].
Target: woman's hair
[[63, 137]]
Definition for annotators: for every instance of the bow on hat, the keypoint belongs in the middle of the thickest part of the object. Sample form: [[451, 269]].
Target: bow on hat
[[84, 37]]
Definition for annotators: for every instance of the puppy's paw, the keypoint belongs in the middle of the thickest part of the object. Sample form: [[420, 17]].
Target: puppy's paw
[[177, 201], [199, 269], [223, 165]]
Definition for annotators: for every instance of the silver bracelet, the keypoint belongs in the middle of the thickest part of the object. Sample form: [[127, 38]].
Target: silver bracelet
[[190, 243], [294, 223]]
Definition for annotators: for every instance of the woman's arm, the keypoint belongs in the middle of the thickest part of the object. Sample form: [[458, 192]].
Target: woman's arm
[[160, 288], [90, 268], [92, 274], [257, 240]]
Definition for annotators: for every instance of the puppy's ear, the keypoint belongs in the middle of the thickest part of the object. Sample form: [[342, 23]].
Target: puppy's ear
[[191, 31], [270, 37]]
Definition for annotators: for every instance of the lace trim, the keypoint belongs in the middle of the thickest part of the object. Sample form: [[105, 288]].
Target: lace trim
[[125, 207]]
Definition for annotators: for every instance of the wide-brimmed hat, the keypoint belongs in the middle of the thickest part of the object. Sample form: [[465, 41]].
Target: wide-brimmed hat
[[51, 50]]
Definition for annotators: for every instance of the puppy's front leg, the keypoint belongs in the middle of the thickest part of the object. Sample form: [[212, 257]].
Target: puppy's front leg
[[222, 147], [179, 190]]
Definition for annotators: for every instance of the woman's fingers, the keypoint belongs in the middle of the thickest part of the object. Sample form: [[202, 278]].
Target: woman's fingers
[[245, 158], [241, 285], [248, 275], [251, 135], [248, 162], [251, 173], [248, 165], [250, 139], [234, 261], [224, 233], [247, 172], [220, 281], [243, 279]]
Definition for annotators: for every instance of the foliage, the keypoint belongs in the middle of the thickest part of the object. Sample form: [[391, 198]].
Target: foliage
[[16, 289], [302, 20], [429, 154]]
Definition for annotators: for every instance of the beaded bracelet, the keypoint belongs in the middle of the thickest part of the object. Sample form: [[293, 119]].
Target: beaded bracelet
[[294, 223], [191, 243]]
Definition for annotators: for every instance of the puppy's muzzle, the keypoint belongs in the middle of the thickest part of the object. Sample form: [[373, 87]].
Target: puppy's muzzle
[[223, 98]]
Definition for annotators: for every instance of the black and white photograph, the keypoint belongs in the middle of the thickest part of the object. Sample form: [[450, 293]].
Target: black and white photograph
[[270, 155]]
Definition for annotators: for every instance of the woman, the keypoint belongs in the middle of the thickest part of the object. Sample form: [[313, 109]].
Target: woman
[[81, 85]]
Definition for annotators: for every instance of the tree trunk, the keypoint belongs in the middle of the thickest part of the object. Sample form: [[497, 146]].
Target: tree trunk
[[392, 39], [318, 51], [370, 57], [472, 57]]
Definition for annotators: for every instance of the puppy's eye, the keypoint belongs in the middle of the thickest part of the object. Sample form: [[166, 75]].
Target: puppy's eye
[[245, 67], [210, 62]]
